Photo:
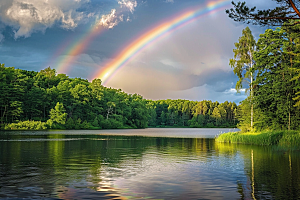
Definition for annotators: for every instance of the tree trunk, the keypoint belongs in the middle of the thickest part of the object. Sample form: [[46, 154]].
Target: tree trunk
[[251, 91]]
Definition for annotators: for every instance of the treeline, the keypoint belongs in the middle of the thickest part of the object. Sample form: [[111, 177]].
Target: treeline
[[181, 113], [271, 65], [28, 98], [46, 100]]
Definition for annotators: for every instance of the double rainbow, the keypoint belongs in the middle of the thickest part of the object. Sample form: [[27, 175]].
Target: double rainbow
[[62, 65], [150, 36]]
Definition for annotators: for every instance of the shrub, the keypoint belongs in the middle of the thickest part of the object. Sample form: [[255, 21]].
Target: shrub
[[26, 125]]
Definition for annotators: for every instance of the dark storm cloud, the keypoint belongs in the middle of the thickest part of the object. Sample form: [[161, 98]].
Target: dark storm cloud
[[218, 79]]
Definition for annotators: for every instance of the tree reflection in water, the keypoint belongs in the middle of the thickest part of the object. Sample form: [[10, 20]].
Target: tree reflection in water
[[97, 166]]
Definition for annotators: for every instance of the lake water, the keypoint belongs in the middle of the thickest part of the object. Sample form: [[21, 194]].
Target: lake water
[[142, 164]]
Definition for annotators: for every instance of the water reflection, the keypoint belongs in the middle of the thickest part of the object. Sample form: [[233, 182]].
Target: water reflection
[[272, 172], [59, 166]]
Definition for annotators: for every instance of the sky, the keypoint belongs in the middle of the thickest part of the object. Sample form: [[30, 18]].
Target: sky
[[160, 49]]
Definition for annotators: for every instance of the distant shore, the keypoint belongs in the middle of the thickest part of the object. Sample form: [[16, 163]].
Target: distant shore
[[280, 138]]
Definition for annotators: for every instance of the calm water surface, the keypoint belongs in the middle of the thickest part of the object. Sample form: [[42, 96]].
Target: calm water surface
[[142, 164]]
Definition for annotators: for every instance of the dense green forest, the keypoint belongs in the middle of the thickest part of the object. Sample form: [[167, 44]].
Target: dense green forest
[[46, 100], [269, 69]]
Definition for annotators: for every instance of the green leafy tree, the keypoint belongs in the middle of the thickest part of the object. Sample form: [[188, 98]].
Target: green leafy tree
[[13, 84], [85, 125], [163, 118], [16, 109], [46, 78], [292, 44], [139, 111], [58, 115], [217, 115], [34, 103], [78, 124], [275, 91], [95, 122], [244, 117], [26, 96], [70, 124], [243, 63], [152, 113]]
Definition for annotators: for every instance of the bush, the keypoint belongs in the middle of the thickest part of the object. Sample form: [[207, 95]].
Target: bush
[[111, 124], [85, 125], [26, 125]]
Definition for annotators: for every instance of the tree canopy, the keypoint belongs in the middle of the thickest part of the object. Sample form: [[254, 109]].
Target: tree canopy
[[41, 100], [285, 11], [276, 84]]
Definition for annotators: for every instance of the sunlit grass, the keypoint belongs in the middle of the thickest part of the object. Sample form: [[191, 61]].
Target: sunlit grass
[[281, 138]]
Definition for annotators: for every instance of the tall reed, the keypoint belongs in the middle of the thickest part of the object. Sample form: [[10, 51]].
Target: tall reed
[[281, 138]]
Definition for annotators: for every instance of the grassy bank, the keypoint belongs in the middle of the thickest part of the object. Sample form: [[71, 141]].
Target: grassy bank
[[281, 138]]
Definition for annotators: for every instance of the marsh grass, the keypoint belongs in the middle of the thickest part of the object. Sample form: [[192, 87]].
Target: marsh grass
[[280, 138]]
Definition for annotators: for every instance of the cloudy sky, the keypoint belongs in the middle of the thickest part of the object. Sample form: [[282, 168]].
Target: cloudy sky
[[81, 37]]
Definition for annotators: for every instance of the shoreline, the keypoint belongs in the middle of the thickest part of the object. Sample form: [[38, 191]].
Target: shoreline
[[280, 138], [122, 128]]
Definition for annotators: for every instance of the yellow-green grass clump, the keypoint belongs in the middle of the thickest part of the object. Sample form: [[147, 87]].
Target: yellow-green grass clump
[[281, 138]]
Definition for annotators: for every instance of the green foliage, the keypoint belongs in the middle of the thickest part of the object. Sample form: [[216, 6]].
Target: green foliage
[[13, 83], [281, 138], [243, 64], [85, 125], [184, 113], [95, 122], [244, 116], [26, 125], [111, 124], [243, 61], [70, 124], [67, 103], [290, 140], [58, 115], [275, 91], [275, 17]]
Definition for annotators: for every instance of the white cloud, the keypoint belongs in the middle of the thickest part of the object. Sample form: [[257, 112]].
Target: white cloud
[[169, 1], [128, 4], [28, 16], [115, 16], [234, 91], [110, 20]]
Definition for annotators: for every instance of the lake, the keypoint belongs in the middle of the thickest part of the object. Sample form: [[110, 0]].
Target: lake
[[142, 164]]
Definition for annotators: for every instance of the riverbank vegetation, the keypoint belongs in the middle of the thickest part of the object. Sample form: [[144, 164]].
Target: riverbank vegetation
[[271, 67], [281, 138], [45, 100]]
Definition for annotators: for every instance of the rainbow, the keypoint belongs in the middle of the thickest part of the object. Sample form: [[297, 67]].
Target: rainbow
[[76, 48], [132, 50]]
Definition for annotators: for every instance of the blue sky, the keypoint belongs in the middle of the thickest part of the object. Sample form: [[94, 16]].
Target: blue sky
[[189, 63]]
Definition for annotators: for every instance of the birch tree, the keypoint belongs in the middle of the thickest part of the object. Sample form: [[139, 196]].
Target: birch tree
[[243, 63]]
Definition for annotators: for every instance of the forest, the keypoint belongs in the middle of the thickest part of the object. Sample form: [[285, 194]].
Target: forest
[[45, 100], [269, 69]]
